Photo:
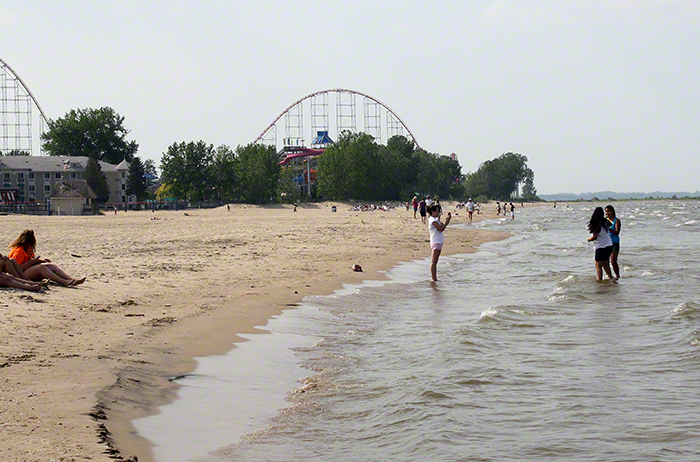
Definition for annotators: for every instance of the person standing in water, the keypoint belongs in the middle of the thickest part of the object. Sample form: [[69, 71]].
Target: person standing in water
[[615, 227], [437, 239], [598, 226]]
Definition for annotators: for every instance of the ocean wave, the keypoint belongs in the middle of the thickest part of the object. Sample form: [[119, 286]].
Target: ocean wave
[[687, 309]]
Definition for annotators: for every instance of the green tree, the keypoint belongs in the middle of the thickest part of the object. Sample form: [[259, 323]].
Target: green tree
[[499, 178], [223, 173], [15, 152], [97, 180], [97, 133], [350, 169], [186, 168], [151, 176], [257, 173], [287, 189], [136, 181]]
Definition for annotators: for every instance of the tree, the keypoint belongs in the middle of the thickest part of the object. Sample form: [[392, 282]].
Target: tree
[[350, 169], [223, 173], [356, 167], [97, 180], [15, 152], [151, 176], [95, 133], [186, 167], [529, 190], [257, 173], [136, 180], [499, 178], [287, 189]]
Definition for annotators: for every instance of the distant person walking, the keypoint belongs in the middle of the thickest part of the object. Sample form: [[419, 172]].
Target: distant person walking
[[598, 226], [498, 208], [414, 201], [512, 211], [428, 201], [470, 209], [615, 227], [437, 238], [422, 206]]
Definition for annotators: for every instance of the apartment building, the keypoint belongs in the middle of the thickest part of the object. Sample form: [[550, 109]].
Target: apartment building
[[32, 178]]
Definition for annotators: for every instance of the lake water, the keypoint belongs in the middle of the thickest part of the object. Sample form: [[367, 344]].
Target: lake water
[[517, 354]]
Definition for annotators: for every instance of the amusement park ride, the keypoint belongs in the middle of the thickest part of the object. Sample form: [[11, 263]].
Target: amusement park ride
[[17, 120], [296, 155]]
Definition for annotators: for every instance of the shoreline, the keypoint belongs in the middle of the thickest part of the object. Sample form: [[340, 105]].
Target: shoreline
[[187, 313]]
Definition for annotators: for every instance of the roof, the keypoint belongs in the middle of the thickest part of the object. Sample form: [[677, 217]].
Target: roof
[[322, 138], [51, 163], [73, 188]]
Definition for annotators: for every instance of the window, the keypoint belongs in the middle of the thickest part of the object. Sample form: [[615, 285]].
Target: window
[[47, 188], [32, 188], [58, 175], [123, 198], [20, 177], [6, 176], [47, 176], [123, 187], [31, 176], [123, 175], [73, 175]]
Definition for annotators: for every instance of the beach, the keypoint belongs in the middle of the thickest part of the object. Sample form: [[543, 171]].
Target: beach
[[79, 364]]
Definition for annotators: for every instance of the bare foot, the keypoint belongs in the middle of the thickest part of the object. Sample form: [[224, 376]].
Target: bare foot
[[79, 281]]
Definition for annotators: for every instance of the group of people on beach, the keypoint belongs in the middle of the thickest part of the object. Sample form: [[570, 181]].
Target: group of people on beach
[[21, 269], [605, 229], [505, 209], [604, 226]]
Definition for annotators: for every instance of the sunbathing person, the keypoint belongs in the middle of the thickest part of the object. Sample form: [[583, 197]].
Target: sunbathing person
[[8, 280], [10, 266], [36, 269]]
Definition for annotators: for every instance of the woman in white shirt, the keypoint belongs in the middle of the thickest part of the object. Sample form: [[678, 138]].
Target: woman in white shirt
[[598, 226], [436, 237]]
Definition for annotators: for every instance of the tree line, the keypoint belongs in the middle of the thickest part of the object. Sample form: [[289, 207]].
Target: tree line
[[356, 167]]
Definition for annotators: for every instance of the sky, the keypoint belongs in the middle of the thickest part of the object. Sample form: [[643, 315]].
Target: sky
[[598, 94]]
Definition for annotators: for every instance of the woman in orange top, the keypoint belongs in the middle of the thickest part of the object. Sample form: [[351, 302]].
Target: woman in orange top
[[36, 269]]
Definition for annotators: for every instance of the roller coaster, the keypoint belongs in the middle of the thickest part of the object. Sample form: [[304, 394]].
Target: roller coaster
[[380, 121], [17, 116]]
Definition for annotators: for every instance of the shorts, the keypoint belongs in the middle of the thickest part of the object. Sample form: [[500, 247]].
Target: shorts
[[616, 247], [470, 212], [604, 253], [436, 246], [415, 209], [422, 213]]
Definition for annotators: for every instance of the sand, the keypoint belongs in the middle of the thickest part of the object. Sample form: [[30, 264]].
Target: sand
[[77, 365]]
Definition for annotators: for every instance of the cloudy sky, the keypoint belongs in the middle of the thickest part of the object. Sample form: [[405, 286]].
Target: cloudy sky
[[598, 94]]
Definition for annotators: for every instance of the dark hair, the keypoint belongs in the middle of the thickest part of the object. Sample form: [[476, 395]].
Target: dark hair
[[433, 208], [598, 221], [612, 209]]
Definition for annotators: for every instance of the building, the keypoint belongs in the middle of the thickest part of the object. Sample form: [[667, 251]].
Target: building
[[33, 178], [73, 197]]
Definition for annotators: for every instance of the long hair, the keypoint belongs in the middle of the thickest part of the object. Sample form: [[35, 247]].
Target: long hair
[[598, 221], [26, 240], [612, 210]]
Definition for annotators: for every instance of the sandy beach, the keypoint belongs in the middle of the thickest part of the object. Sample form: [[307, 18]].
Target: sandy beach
[[78, 364]]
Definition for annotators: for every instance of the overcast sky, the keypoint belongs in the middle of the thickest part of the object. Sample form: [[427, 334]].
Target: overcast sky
[[598, 94]]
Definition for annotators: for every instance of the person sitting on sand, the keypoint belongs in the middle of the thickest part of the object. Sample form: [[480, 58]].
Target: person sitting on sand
[[8, 280], [11, 275], [36, 269]]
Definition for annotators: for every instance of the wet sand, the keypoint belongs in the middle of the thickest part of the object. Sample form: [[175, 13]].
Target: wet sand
[[77, 365]]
